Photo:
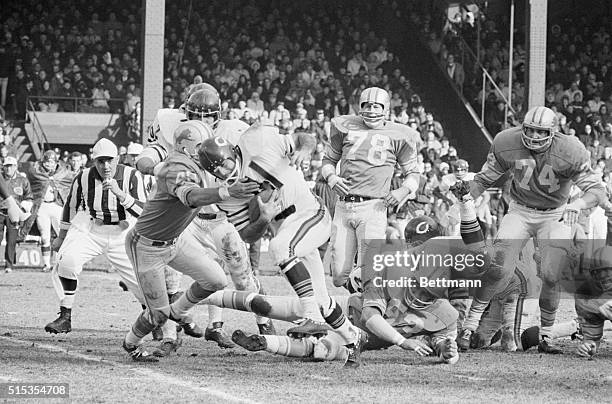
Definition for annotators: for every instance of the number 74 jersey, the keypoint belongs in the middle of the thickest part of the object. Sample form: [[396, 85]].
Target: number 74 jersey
[[368, 156], [540, 180]]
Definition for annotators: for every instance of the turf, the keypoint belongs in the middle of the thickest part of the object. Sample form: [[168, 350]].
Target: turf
[[90, 358]]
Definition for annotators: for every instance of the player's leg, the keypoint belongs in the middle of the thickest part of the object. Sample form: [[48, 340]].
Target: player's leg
[[78, 248], [555, 245], [282, 249], [490, 323], [192, 259], [342, 246], [199, 232], [148, 263], [234, 253], [514, 231], [43, 221]]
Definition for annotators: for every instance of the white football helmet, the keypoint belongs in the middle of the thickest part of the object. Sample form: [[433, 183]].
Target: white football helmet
[[189, 136], [374, 105], [539, 119]]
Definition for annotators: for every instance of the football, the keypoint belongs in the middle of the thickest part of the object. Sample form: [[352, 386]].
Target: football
[[265, 196]]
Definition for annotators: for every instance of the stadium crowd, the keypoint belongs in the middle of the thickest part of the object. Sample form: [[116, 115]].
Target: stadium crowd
[[297, 73]]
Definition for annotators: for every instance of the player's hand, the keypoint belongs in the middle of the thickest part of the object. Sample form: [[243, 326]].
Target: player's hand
[[300, 155], [338, 184], [449, 351], [243, 188], [570, 215], [393, 198], [269, 210], [419, 347], [57, 244], [587, 349]]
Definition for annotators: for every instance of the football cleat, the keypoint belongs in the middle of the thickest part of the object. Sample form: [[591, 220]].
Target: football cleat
[[546, 346], [478, 341], [355, 349], [46, 268], [507, 340], [8, 270], [139, 353], [167, 347], [267, 328], [251, 342], [307, 328], [463, 339], [217, 333], [62, 324], [189, 327]]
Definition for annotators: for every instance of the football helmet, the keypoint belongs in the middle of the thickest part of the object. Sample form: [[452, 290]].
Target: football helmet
[[539, 119], [461, 168], [373, 115], [213, 155], [203, 104], [189, 136], [420, 229]]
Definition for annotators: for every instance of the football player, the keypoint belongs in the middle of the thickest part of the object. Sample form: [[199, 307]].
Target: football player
[[300, 224], [211, 227], [544, 165], [412, 317], [368, 148], [155, 242]]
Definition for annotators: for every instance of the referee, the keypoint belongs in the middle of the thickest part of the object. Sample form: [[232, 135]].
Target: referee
[[103, 203]]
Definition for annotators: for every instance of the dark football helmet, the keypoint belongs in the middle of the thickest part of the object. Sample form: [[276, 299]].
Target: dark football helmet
[[215, 155], [204, 105]]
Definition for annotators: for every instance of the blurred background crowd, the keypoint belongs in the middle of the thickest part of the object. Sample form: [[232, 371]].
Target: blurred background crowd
[[296, 65]]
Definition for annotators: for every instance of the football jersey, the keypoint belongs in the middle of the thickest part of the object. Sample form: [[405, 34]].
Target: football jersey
[[540, 180], [166, 214], [368, 156], [265, 157]]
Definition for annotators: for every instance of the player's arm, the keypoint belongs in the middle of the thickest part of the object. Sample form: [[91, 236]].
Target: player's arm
[[182, 182], [28, 197], [333, 154], [589, 182], [405, 152], [150, 157], [493, 169], [267, 212], [303, 144]]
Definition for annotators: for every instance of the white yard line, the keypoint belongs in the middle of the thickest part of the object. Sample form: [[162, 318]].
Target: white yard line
[[151, 374]]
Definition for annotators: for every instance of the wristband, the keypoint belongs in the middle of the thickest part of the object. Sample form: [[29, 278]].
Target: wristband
[[399, 340], [224, 193]]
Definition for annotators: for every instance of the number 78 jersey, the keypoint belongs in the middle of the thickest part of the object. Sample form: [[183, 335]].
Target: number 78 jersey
[[368, 156], [540, 180]]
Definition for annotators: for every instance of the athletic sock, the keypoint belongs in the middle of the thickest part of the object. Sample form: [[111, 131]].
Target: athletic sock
[[70, 287], [474, 315], [300, 281], [286, 346], [337, 320]]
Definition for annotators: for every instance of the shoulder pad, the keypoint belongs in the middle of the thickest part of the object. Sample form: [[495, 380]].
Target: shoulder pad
[[345, 123], [508, 139]]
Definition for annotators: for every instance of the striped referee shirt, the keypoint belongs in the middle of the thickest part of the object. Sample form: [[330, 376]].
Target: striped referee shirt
[[86, 194]]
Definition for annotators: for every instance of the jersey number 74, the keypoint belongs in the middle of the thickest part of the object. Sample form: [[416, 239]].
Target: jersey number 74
[[546, 177]]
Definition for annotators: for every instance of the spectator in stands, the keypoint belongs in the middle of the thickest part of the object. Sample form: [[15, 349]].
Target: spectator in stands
[[431, 125], [100, 97], [20, 190], [455, 71], [6, 67], [75, 162], [279, 114], [321, 127]]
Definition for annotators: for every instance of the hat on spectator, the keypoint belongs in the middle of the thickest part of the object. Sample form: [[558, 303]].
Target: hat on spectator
[[444, 165], [10, 161], [104, 148], [134, 148]]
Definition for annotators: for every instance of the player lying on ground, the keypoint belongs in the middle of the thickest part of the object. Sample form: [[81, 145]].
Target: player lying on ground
[[411, 317]]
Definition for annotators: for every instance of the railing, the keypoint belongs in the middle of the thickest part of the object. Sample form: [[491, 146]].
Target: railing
[[77, 104]]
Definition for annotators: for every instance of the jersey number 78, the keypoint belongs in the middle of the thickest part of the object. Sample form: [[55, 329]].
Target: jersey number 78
[[371, 146]]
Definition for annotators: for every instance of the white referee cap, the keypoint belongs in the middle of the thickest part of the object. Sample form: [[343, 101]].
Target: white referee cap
[[134, 148], [104, 148]]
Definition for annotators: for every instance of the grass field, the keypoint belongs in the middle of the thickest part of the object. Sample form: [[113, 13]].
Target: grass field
[[91, 360]]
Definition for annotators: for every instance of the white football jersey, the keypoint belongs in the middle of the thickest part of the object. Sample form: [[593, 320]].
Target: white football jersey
[[265, 157]]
